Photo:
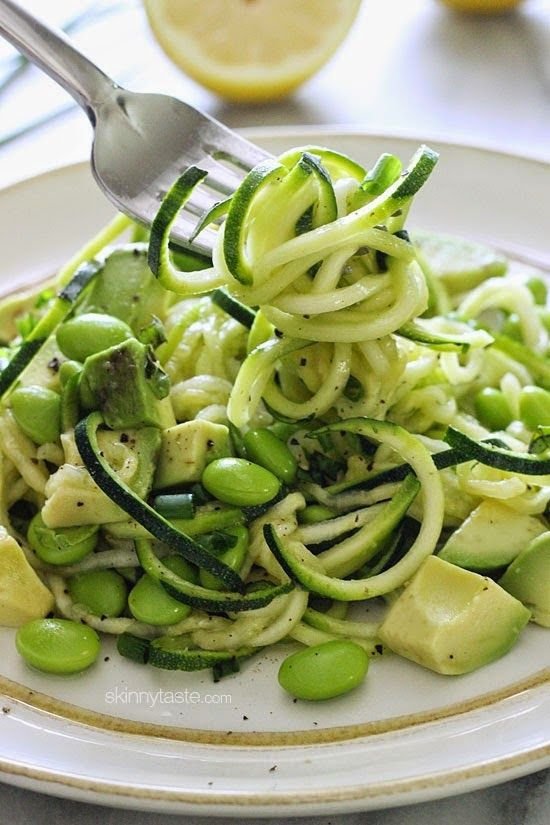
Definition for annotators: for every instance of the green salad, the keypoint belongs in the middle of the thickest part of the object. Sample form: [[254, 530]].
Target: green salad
[[205, 458]]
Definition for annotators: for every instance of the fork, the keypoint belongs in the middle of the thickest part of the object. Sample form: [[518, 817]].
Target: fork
[[142, 142]]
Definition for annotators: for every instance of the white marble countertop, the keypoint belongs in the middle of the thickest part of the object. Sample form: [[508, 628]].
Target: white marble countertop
[[409, 66]]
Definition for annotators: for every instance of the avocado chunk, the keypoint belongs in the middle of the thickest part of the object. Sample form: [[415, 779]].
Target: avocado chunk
[[186, 449], [125, 383], [452, 620], [23, 595], [459, 263], [528, 578], [126, 288], [73, 498], [491, 537]]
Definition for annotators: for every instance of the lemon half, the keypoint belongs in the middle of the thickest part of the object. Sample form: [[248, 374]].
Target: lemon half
[[482, 6], [250, 50]]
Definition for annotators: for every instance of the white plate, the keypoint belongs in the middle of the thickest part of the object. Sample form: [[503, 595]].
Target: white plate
[[123, 735]]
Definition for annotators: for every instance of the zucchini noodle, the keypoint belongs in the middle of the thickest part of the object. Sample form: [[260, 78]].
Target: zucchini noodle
[[513, 298], [23, 453], [385, 406]]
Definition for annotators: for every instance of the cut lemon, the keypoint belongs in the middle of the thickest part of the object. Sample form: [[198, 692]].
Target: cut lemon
[[482, 6], [250, 50]]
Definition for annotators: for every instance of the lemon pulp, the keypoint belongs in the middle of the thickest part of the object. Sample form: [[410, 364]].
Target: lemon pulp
[[250, 50], [482, 6]]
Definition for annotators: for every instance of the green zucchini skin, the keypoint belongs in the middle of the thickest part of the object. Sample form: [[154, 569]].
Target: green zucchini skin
[[82, 277], [407, 184], [171, 205], [498, 457], [133, 647], [20, 360], [203, 598], [65, 300], [442, 460], [378, 534], [173, 653], [441, 342], [102, 474], [298, 571], [215, 601], [308, 569], [240, 312], [167, 652], [258, 177], [462, 449]]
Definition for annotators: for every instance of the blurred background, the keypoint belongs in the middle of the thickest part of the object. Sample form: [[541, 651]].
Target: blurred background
[[416, 67]]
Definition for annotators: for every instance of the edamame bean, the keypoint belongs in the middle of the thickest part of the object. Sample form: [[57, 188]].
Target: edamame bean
[[103, 592], [68, 369], [534, 407], [37, 411], [538, 289], [62, 545], [234, 558], [263, 447], [89, 333], [57, 645], [150, 603], [492, 409], [324, 671], [315, 513], [238, 481]]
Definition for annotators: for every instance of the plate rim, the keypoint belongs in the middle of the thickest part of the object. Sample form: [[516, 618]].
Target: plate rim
[[332, 130], [353, 798], [353, 130]]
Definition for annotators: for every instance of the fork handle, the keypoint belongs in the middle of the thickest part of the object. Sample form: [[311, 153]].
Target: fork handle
[[52, 52]]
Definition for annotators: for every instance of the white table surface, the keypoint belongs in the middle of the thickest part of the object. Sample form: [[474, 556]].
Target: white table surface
[[409, 67]]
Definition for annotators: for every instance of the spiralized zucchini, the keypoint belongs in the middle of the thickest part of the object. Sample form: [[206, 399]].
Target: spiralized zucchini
[[321, 320]]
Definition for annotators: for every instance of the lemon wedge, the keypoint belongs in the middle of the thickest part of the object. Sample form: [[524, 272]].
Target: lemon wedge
[[250, 50]]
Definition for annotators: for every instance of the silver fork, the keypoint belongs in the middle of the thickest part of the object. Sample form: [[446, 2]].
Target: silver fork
[[142, 142]]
